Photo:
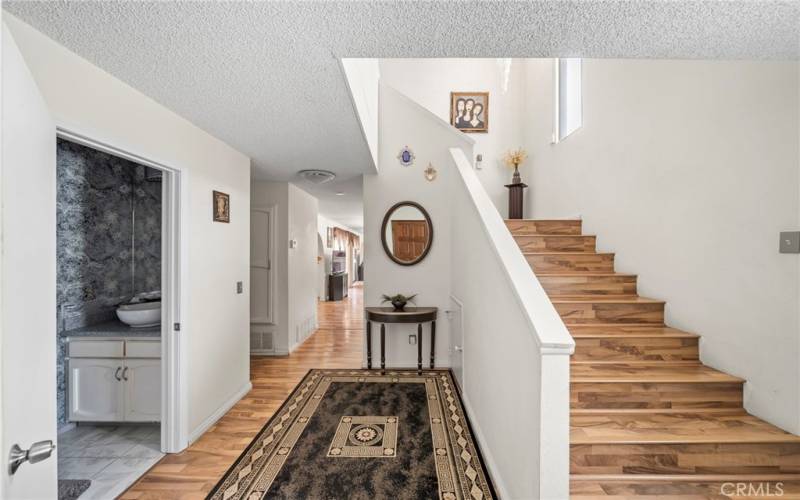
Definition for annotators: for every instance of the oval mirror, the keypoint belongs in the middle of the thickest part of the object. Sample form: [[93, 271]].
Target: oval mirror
[[407, 233]]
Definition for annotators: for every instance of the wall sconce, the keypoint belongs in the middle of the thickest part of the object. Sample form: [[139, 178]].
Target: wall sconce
[[430, 173], [479, 162]]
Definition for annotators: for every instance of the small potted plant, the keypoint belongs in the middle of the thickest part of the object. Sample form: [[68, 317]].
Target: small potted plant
[[399, 300]]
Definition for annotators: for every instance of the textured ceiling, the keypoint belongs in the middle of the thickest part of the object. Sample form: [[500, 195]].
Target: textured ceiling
[[265, 77]]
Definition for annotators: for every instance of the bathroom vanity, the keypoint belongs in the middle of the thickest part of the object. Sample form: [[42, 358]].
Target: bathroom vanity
[[113, 374]]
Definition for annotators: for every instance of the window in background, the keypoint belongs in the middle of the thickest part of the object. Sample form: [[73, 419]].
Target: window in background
[[569, 101]]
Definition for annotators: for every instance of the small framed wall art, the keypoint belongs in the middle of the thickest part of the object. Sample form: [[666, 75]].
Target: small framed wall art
[[469, 111], [222, 207]]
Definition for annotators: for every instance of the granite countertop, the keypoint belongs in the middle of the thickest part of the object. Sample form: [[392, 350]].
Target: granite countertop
[[112, 329]]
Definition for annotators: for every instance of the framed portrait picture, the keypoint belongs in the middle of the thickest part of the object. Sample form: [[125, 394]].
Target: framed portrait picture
[[469, 111], [222, 207]]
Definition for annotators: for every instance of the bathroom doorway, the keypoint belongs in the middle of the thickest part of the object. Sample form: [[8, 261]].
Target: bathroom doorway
[[118, 305]]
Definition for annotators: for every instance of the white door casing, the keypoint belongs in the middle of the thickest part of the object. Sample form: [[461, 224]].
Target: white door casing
[[28, 275], [95, 390]]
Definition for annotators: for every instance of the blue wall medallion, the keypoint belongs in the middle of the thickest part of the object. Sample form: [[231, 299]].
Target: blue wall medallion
[[406, 156]]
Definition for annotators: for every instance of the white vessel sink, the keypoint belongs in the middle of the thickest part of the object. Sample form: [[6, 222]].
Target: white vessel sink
[[142, 315]]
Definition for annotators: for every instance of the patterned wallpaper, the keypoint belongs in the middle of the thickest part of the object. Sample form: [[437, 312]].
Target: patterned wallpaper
[[108, 238]]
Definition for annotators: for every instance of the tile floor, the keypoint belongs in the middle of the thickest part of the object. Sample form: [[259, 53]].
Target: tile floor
[[111, 456]]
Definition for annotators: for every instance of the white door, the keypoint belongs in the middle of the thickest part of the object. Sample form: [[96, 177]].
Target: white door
[[28, 275], [95, 390], [142, 382], [456, 317], [260, 267]]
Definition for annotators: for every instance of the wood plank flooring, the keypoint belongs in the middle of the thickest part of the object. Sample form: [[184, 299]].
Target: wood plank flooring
[[647, 418], [191, 474]]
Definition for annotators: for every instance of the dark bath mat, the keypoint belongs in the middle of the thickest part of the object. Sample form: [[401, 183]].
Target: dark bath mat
[[70, 489]]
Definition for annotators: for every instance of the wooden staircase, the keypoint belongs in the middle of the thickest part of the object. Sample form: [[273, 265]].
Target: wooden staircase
[[647, 417]]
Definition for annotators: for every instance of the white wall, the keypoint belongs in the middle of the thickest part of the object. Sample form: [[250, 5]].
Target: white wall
[[429, 83], [86, 100], [303, 265], [403, 122], [688, 170]]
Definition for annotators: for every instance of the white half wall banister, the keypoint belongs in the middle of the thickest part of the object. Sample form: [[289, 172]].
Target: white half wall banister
[[549, 330], [516, 349], [362, 76]]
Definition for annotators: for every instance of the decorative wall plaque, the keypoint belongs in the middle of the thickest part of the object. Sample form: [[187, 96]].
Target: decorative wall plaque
[[406, 156]]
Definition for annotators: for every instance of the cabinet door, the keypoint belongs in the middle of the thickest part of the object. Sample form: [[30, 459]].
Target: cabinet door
[[143, 390], [95, 394]]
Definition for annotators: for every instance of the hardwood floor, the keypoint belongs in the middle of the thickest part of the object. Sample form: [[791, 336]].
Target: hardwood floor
[[191, 474], [647, 418]]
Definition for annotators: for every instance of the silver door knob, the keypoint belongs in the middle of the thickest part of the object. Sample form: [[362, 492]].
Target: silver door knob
[[38, 451], [458, 348]]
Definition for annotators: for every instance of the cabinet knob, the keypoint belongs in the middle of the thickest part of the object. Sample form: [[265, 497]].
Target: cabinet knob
[[116, 374]]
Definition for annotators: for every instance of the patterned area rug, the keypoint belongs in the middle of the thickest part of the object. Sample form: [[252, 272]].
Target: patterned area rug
[[362, 435]]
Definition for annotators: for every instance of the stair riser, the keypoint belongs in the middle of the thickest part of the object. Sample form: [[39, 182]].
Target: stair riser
[[553, 263], [556, 243], [685, 489], [544, 226], [581, 313], [556, 286], [655, 395], [635, 349], [715, 458]]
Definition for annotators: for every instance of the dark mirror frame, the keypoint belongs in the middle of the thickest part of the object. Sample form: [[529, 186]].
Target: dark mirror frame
[[387, 218]]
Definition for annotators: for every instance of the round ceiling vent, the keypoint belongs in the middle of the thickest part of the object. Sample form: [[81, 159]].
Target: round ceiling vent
[[316, 176]]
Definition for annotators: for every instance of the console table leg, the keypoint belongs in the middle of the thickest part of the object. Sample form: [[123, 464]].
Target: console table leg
[[383, 347], [419, 348], [433, 341], [369, 345]]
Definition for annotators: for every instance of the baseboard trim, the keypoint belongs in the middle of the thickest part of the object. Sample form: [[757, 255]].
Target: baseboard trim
[[488, 460], [219, 412]]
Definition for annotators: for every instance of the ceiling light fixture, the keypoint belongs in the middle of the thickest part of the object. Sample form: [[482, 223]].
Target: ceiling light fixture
[[339, 193], [316, 176]]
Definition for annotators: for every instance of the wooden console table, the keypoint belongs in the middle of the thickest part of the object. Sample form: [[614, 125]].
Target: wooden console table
[[416, 315]]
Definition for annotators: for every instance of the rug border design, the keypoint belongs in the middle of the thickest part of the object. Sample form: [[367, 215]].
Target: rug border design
[[461, 472]]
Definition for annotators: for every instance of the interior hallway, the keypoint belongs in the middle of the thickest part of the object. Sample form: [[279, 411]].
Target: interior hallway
[[191, 474]]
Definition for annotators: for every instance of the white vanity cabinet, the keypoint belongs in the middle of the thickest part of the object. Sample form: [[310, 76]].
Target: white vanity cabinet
[[114, 380]]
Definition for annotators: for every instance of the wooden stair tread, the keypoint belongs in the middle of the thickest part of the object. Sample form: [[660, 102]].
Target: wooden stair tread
[[649, 411], [550, 235], [647, 373], [663, 428], [574, 274], [566, 254], [626, 331], [682, 487], [693, 478], [638, 362], [604, 299]]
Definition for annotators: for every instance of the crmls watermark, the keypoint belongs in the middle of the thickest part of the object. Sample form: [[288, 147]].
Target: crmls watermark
[[759, 490]]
